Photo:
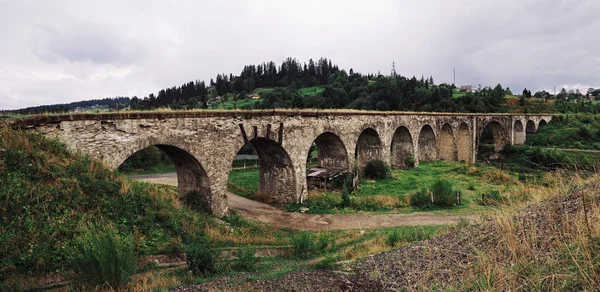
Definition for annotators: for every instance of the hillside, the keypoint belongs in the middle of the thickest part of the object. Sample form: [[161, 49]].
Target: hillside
[[49, 196]]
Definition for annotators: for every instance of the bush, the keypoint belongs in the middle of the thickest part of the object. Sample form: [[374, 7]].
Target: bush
[[492, 198], [104, 258], [393, 238], [247, 259], [421, 198], [410, 161], [303, 244], [327, 263], [200, 259], [377, 169], [444, 194]]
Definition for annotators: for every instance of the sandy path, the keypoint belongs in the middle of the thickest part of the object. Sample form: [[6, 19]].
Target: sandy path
[[275, 217]]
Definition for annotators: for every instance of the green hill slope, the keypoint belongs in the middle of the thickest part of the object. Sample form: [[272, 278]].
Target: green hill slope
[[48, 196]]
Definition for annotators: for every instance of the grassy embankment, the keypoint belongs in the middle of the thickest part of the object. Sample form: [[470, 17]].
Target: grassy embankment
[[50, 198]]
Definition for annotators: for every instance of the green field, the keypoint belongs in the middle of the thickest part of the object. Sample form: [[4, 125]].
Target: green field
[[392, 193], [311, 91], [235, 104]]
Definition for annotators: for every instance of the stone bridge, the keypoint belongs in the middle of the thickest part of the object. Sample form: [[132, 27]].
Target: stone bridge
[[203, 144]]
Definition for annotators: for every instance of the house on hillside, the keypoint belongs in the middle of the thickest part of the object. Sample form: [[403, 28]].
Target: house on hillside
[[253, 96], [218, 98], [466, 88]]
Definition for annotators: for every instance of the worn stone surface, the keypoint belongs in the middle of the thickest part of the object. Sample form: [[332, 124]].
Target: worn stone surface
[[202, 145]]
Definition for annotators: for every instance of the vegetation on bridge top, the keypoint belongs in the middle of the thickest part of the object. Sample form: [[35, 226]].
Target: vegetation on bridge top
[[27, 121]]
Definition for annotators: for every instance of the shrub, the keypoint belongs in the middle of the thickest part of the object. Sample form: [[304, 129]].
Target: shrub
[[303, 244], [421, 198], [327, 263], [198, 201], [377, 169], [393, 238], [104, 258], [200, 259], [444, 194], [247, 259], [410, 161], [492, 198]]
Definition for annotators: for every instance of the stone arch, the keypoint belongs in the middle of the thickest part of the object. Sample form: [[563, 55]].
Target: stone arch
[[368, 147], [427, 144], [499, 137], [331, 151], [542, 123], [464, 143], [447, 143], [277, 175], [402, 147], [530, 128], [518, 133], [193, 185]]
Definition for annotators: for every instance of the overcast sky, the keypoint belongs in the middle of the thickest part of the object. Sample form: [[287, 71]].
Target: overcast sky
[[64, 51]]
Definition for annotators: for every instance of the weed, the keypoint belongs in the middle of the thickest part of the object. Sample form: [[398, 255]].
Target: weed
[[303, 244], [246, 259], [103, 258], [200, 258], [377, 169]]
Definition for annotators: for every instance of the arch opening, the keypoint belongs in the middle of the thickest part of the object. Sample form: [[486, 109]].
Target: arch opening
[[491, 141], [427, 144], [193, 185], [530, 127], [331, 165], [262, 170], [447, 143], [402, 147], [542, 124], [464, 143], [368, 147], [518, 133]]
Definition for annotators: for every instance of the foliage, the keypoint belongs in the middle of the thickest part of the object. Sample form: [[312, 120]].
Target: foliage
[[246, 259], [444, 194], [410, 161], [103, 257], [377, 169], [200, 259], [145, 160], [329, 262], [304, 244], [441, 193], [392, 238], [421, 198], [492, 197], [47, 192]]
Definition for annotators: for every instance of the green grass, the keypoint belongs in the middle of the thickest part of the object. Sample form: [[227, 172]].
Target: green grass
[[458, 94], [263, 90], [156, 169], [228, 105], [471, 180], [311, 91], [244, 182], [581, 131]]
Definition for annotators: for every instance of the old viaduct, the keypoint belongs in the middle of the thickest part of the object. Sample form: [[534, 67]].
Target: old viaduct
[[202, 144]]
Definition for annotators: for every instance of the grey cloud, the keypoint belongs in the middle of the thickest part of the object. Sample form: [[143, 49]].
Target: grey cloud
[[121, 48], [85, 44]]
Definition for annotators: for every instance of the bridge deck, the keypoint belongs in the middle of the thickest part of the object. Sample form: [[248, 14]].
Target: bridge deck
[[56, 118]]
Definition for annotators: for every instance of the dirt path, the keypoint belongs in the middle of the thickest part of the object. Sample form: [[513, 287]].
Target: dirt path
[[275, 217]]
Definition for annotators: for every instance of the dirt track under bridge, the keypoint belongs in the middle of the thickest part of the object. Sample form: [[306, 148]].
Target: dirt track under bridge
[[278, 218]]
